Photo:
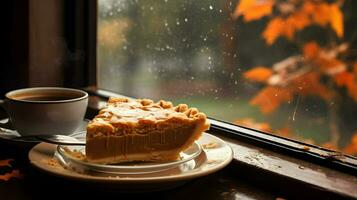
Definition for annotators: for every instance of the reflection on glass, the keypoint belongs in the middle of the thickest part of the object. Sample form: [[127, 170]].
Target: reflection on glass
[[284, 67]]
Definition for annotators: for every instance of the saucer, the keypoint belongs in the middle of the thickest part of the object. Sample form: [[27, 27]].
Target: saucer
[[6, 135], [216, 155]]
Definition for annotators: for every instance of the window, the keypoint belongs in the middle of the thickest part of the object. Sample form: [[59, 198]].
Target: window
[[284, 67]]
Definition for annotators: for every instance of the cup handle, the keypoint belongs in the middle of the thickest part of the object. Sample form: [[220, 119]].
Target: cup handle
[[7, 124]]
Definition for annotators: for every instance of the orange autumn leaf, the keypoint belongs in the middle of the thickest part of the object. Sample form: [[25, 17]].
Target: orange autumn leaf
[[311, 50], [321, 14], [273, 30], [243, 6], [352, 147], [270, 98], [298, 21], [309, 13], [258, 11], [286, 27], [253, 9], [289, 29], [13, 174], [5, 162], [336, 20], [308, 7], [259, 74]]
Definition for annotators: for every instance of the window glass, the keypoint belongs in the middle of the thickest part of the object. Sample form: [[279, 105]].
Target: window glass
[[284, 67]]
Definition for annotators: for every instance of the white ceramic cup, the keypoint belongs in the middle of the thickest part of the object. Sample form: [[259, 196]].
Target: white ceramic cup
[[45, 110]]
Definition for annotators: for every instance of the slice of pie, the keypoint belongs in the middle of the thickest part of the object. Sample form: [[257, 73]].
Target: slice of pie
[[141, 130]]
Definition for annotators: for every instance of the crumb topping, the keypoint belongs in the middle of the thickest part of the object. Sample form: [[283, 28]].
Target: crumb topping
[[126, 110]]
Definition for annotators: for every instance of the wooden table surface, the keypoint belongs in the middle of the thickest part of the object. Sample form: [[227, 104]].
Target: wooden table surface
[[35, 184]]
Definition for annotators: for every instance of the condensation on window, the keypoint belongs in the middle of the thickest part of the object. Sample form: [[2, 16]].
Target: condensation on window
[[284, 67]]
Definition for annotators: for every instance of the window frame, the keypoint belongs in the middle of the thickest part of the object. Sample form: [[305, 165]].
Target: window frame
[[80, 32]]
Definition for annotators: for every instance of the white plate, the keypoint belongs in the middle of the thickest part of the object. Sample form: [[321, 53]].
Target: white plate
[[209, 161]]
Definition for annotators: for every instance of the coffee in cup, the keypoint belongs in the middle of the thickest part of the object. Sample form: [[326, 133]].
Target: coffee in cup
[[46, 110]]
